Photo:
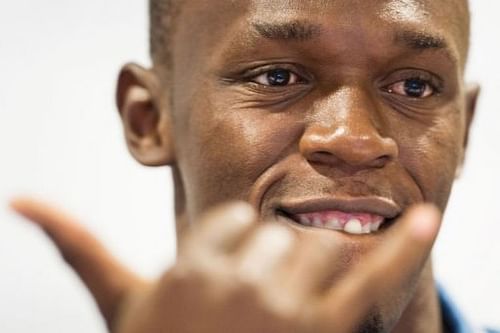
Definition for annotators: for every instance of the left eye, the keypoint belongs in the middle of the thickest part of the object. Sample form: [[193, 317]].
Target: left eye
[[414, 88], [277, 78]]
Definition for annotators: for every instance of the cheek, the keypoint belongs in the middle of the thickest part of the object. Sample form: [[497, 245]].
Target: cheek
[[432, 153], [228, 147]]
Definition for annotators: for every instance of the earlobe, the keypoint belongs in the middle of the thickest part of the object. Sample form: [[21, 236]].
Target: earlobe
[[145, 117]]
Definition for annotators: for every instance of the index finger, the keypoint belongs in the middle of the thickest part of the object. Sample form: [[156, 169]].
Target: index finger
[[106, 278]]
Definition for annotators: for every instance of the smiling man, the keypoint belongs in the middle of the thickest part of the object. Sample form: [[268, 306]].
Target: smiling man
[[335, 121]]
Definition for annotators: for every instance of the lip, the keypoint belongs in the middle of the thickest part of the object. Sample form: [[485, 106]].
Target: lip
[[371, 205]]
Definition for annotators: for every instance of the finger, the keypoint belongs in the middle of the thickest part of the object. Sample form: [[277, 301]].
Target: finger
[[219, 231], [104, 276], [388, 268], [311, 267], [262, 253]]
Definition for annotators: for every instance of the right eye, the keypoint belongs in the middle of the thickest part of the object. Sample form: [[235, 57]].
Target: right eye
[[278, 77]]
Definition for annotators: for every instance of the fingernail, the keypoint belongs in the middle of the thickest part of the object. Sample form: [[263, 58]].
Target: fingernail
[[425, 222], [241, 212]]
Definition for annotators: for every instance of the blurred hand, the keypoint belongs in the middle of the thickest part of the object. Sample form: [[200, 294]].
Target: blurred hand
[[236, 275]]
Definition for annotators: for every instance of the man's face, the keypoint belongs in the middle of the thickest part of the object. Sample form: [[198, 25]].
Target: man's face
[[304, 107], [323, 114]]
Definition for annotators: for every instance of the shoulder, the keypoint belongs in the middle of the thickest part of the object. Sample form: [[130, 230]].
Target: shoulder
[[453, 319]]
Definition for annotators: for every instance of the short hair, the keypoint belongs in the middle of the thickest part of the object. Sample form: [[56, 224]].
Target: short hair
[[161, 17]]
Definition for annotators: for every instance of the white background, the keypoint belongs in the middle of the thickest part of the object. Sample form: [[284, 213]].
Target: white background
[[60, 139]]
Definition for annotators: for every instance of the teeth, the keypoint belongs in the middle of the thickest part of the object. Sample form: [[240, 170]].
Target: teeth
[[375, 225], [304, 220], [353, 227], [317, 222], [333, 224]]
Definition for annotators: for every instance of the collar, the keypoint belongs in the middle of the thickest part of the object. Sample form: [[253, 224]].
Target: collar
[[454, 321]]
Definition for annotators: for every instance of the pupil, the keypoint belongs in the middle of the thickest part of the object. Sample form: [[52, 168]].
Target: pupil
[[278, 77], [415, 88]]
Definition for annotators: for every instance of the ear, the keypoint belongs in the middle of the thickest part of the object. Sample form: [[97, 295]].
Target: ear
[[146, 119], [471, 97]]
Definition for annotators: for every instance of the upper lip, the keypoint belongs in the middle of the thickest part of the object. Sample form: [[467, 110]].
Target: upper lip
[[372, 205]]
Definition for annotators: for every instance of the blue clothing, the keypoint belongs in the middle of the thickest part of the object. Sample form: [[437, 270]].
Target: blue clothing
[[454, 321]]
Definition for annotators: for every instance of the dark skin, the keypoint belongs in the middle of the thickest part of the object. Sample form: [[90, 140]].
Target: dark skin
[[341, 105]]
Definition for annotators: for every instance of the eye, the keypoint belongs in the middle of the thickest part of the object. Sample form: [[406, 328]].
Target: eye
[[414, 88], [278, 77]]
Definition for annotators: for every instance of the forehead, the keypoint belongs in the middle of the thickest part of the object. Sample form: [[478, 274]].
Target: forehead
[[222, 24]]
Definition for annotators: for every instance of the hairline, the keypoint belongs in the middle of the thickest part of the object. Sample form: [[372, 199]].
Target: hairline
[[162, 18]]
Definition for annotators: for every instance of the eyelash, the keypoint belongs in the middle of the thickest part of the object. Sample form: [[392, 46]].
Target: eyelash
[[426, 78], [251, 75]]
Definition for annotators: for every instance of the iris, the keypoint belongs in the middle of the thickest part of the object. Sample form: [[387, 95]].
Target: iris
[[278, 77], [415, 87]]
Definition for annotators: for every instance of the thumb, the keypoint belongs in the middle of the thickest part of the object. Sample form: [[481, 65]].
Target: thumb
[[107, 279]]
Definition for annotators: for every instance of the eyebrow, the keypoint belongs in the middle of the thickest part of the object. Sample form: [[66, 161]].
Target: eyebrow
[[301, 31], [420, 40], [288, 31]]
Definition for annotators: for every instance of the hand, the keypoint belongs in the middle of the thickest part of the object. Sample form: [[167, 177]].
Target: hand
[[228, 278]]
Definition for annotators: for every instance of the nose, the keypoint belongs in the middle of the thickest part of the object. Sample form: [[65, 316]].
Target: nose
[[344, 134]]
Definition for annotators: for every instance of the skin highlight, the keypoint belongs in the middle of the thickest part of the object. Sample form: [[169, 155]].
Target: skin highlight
[[370, 110]]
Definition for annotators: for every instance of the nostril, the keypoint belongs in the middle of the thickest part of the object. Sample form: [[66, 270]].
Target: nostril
[[328, 158], [338, 147], [323, 157], [381, 161], [358, 158]]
